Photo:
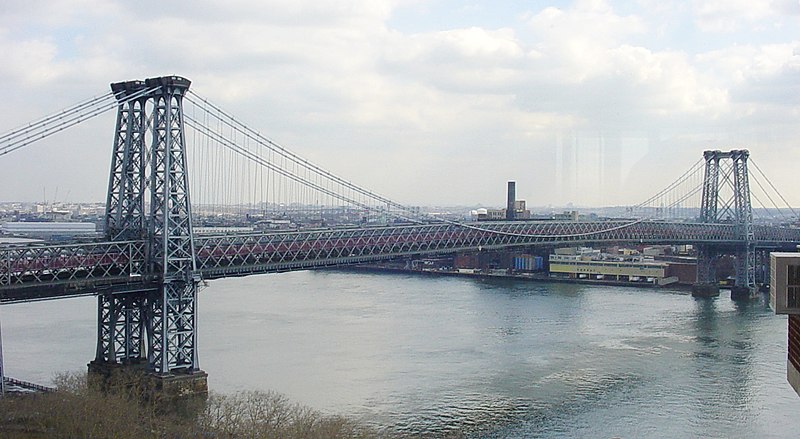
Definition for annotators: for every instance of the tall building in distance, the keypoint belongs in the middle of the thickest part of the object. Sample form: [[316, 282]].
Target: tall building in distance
[[511, 203], [515, 210]]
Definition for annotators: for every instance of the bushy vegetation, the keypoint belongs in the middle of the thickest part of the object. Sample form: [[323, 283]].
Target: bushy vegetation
[[79, 410]]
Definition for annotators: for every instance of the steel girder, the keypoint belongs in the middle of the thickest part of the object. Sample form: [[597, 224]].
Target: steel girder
[[125, 203], [745, 257], [708, 206], [172, 328], [170, 214], [233, 255], [172, 319], [56, 264], [120, 317], [122, 262], [120, 327]]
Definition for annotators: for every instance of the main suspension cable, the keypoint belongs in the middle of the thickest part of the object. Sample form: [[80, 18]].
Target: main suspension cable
[[49, 125], [773, 187], [232, 123]]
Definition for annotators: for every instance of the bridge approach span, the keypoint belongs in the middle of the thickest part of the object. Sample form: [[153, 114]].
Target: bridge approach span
[[50, 271]]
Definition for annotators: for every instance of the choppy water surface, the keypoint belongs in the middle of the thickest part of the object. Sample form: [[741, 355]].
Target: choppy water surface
[[493, 358]]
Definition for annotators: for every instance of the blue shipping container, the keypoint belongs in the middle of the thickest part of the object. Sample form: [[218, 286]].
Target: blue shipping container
[[525, 263]]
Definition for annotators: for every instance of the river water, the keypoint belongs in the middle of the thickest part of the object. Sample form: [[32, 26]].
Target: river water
[[430, 355]]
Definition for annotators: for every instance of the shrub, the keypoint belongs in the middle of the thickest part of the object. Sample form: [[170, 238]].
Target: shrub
[[80, 410]]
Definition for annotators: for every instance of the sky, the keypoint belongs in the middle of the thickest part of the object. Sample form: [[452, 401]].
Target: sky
[[437, 102]]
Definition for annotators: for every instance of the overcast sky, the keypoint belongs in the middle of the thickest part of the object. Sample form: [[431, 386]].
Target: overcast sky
[[427, 102]]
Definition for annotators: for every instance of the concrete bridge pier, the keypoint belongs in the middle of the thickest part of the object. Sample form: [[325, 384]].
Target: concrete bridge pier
[[704, 289], [742, 293], [706, 285], [178, 393]]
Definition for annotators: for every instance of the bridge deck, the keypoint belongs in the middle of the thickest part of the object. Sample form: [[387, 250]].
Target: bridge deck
[[40, 272]]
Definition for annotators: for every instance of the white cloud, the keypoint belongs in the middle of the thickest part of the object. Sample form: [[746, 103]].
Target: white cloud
[[733, 15], [29, 62], [380, 106], [579, 36]]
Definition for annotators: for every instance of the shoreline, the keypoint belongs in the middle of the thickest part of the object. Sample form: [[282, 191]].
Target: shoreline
[[525, 277]]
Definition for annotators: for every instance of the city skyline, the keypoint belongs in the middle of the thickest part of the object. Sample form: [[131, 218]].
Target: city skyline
[[592, 103]]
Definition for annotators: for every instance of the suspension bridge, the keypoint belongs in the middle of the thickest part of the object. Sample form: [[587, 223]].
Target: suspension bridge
[[146, 271]]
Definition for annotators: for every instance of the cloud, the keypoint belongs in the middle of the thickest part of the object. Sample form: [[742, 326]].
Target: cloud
[[762, 79], [733, 15], [29, 62], [344, 85]]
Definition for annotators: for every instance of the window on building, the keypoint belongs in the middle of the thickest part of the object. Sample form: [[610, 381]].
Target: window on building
[[793, 286]]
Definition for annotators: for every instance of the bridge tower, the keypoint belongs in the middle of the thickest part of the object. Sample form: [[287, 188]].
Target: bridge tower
[[152, 324], [718, 208]]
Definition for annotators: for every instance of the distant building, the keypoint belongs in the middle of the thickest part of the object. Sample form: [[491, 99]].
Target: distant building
[[274, 224], [515, 209], [14, 241], [656, 250], [685, 272], [567, 215], [490, 214], [520, 211]]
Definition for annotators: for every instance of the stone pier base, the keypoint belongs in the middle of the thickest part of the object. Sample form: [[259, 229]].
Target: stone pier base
[[742, 293], [179, 393], [705, 290]]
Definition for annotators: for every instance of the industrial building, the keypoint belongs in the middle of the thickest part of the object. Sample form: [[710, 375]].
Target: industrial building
[[515, 209], [587, 263]]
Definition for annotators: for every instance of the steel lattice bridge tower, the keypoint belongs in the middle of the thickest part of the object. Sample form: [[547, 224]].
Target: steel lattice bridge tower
[[737, 209], [148, 198], [146, 270]]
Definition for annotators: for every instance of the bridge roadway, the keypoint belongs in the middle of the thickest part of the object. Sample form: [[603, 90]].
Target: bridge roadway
[[38, 272]]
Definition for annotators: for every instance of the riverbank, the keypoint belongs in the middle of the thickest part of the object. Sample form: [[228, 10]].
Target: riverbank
[[78, 409]]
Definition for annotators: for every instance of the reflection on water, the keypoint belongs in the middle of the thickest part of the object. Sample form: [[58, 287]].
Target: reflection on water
[[491, 358]]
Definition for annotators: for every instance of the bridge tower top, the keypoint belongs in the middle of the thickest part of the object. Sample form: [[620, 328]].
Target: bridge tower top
[[124, 89], [733, 176], [732, 154], [176, 83], [173, 84]]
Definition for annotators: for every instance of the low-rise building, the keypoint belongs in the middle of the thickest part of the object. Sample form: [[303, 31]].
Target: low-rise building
[[587, 263]]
